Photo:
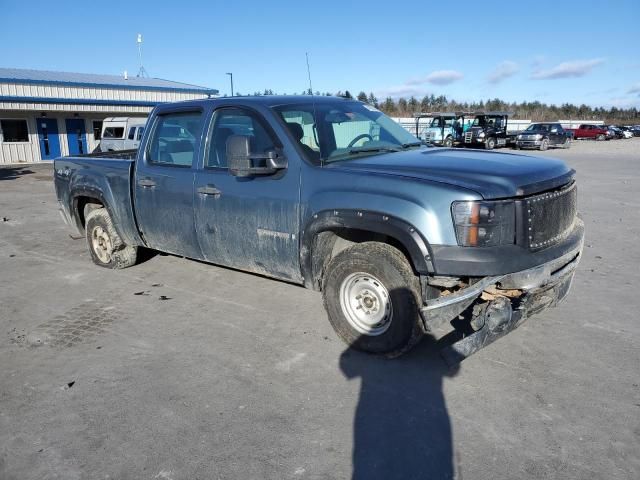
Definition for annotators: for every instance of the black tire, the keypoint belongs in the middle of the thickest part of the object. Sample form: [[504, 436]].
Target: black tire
[[390, 267], [105, 245], [448, 142], [490, 144], [600, 138], [516, 146], [567, 143], [544, 145]]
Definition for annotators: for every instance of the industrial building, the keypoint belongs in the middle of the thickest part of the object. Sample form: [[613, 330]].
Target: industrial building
[[44, 114]]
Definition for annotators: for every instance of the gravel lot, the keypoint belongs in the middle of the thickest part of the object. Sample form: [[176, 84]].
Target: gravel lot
[[175, 369]]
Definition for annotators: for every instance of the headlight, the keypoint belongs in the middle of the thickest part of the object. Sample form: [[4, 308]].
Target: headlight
[[481, 135], [484, 223], [519, 137]]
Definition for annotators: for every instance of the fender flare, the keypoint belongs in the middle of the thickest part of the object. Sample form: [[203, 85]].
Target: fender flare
[[406, 234], [84, 191]]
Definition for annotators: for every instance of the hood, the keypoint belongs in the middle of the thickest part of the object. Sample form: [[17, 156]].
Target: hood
[[491, 174]]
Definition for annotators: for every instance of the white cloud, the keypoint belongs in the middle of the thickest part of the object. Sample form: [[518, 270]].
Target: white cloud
[[503, 71], [443, 77], [406, 91], [575, 68], [635, 88]]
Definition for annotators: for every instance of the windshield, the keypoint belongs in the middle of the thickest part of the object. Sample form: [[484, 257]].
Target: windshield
[[344, 130], [439, 122], [537, 126]]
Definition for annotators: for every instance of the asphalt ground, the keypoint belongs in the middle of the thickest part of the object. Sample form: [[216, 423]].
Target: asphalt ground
[[175, 369]]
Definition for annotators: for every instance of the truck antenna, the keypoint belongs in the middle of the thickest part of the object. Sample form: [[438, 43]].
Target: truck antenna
[[142, 72], [313, 102]]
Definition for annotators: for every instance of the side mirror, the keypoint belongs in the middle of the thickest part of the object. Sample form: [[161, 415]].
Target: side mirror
[[243, 163]]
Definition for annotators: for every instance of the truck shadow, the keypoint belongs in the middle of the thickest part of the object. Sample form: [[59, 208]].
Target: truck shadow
[[401, 427], [11, 173]]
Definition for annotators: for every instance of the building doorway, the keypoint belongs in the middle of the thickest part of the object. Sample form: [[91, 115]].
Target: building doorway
[[48, 138], [76, 136]]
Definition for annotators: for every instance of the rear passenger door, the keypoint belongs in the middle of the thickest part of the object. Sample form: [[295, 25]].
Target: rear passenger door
[[164, 178]]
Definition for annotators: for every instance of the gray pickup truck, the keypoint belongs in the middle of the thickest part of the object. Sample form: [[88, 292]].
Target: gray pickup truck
[[330, 193]]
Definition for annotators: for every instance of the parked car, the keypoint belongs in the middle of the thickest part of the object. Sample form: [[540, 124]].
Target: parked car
[[121, 133], [635, 130], [625, 131], [543, 136], [596, 132], [332, 194], [615, 131]]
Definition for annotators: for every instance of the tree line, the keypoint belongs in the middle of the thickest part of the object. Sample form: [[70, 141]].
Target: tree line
[[534, 111]]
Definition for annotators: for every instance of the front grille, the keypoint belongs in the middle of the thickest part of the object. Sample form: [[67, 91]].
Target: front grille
[[430, 136], [549, 217], [468, 136]]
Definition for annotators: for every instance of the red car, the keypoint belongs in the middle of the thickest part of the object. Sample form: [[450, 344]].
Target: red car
[[590, 131]]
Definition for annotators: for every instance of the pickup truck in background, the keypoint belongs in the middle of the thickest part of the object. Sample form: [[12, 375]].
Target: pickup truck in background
[[542, 136], [595, 132], [121, 133], [330, 193]]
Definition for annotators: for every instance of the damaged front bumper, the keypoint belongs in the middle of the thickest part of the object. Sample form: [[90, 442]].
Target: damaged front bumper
[[501, 303]]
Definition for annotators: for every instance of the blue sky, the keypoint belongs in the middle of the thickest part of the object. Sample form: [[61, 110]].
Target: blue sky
[[564, 51]]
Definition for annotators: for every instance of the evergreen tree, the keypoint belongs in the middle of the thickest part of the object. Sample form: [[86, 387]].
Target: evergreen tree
[[362, 97]]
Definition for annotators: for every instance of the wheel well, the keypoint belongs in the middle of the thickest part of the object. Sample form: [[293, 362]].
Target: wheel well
[[83, 205], [327, 244]]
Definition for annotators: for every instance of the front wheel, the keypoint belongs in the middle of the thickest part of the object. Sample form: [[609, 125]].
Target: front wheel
[[105, 245], [372, 298], [544, 145], [490, 144], [448, 142]]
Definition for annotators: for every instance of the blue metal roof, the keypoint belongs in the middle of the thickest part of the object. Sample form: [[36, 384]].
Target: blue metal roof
[[44, 77]]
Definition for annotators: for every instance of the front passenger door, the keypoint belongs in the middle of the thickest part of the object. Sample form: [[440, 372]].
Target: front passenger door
[[249, 223]]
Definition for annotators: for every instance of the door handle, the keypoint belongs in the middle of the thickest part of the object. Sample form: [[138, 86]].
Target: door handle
[[209, 190], [146, 183]]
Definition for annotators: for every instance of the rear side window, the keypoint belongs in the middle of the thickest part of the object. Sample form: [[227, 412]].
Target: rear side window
[[113, 132], [174, 139], [140, 132]]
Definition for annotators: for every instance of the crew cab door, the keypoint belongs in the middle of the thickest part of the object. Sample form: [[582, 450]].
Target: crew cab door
[[164, 177], [249, 223]]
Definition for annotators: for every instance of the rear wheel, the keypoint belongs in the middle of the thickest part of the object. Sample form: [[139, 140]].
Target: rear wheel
[[600, 138], [105, 245], [567, 143], [372, 297]]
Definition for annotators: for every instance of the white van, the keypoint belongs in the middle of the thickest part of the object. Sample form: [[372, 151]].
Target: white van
[[121, 133]]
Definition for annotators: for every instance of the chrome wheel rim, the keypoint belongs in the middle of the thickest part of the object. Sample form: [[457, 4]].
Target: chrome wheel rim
[[366, 304], [101, 244]]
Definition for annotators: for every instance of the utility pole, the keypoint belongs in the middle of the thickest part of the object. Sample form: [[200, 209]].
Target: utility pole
[[231, 77], [142, 72]]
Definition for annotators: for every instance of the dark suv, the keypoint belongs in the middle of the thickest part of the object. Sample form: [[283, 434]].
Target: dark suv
[[543, 136]]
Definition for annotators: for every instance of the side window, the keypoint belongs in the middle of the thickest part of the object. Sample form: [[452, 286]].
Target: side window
[[236, 121], [140, 132], [132, 133], [174, 139]]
